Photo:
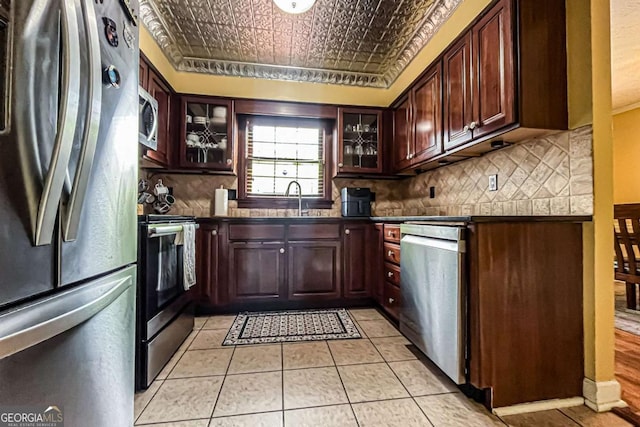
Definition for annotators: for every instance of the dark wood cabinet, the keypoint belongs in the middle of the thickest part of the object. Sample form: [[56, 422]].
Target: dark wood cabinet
[[525, 311], [358, 274], [427, 116], [503, 80], [256, 271], [377, 243], [402, 134], [161, 93], [206, 138], [207, 261], [314, 270], [493, 60], [458, 97], [143, 79], [286, 263], [359, 149]]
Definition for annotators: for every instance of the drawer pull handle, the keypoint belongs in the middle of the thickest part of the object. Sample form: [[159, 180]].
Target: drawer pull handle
[[390, 274], [391, 300], [390, 254]]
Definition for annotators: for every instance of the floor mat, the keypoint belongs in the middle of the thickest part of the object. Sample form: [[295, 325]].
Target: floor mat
[[291, 326]]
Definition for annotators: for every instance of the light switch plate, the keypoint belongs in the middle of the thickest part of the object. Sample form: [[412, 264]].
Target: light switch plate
[[493, 182]]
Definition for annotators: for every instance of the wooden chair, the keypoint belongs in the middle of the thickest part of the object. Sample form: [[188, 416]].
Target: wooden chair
[[627, 241]]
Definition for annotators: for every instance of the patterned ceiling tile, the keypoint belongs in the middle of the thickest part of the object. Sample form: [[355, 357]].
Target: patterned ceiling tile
[[352, 42]]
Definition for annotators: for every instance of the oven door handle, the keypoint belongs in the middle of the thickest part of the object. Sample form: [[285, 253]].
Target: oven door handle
[[165, 230]]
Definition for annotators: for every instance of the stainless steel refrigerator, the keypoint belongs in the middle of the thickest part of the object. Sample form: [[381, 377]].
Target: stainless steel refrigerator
[[68, 173]]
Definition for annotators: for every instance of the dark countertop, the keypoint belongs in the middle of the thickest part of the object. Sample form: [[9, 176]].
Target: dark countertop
[[449, 219]]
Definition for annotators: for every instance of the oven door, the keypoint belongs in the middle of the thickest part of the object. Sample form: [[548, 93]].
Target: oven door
[[163, 279], [148, 120]]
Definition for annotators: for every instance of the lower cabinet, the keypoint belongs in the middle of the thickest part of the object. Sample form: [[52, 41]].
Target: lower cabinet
[[314, 270], [358, 250], [256, 271], [244, 262]]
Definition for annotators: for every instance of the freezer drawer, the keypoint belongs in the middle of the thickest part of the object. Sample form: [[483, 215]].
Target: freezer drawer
[[74, 350]]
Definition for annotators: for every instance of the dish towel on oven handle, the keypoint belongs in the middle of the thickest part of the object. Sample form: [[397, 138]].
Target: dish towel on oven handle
[[188, 239]]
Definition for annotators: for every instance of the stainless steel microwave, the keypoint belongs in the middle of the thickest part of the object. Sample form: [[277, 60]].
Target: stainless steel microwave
[[148, 120]]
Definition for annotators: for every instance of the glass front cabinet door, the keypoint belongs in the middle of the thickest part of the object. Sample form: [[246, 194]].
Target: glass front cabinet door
[[360, 148], [206, 138]]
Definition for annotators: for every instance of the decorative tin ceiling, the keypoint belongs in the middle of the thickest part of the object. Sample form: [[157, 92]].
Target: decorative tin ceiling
[[350, 42]]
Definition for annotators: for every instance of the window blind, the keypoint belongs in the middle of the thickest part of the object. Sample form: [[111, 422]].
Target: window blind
[[280, 150]]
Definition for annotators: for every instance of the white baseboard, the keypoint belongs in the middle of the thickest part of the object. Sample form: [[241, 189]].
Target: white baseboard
[[543, 405], [602, 396]]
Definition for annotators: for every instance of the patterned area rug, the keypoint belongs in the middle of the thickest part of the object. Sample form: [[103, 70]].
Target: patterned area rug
[[291, 326]]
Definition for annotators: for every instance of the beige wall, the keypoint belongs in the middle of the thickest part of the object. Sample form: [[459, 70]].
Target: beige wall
[[626, 157]]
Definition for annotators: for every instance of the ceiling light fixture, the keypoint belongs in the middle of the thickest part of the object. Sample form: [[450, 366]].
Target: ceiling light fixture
[[294, 6]]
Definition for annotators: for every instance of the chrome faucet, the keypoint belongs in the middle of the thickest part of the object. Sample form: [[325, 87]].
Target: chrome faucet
[[286, 194]]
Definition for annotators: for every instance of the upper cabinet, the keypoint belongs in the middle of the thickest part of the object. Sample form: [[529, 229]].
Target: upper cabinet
[[504, 78], [427, 116], [151, 81], [418, 121], [479, 78], [206, 138], [402, 134], [458, 93], [360, 141]]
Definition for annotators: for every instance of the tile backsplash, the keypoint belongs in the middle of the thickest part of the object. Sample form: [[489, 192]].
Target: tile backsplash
[[544, 176]]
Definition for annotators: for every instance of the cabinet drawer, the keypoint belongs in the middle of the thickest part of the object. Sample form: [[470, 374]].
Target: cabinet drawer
[[314, 231], [392, 233], [392, 273], [256, 232], [392, 299], [392, 252]]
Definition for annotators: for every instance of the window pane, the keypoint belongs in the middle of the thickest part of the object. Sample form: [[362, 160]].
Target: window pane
[[264, 133], [308, 170], [286, 151], [308, 152], [263, 149], [285, 170], [262, 168], [263, 186], [309, 186]]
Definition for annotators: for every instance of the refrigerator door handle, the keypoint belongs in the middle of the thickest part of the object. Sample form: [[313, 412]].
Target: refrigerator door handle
[[71, 221], [69, 100], [35, 323]]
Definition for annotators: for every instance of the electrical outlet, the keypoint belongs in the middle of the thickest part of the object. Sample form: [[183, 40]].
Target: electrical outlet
[[432, 192], [493, 182]]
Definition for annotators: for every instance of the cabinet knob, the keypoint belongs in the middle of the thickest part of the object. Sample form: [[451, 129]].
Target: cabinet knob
[[214, 232], [340, 165], [281, 250], [465, 129], [390, 274], [390, 253], [347, 231], [473, 125], [407, 158], [229, 161], [391, 300]]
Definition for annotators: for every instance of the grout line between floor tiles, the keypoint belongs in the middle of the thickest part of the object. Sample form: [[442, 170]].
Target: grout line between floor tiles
[[343, 386], [413, 399], [147, 404], [155, 423], [282, 379], [221, 385]]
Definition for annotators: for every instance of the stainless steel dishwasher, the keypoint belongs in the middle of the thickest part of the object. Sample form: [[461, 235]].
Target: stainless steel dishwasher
[[432, 274]]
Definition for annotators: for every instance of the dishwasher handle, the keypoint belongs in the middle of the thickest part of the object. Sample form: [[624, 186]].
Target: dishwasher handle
[[449, 245]]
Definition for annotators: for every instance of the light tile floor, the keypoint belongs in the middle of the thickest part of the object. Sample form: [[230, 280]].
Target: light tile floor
[[375, 381]]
